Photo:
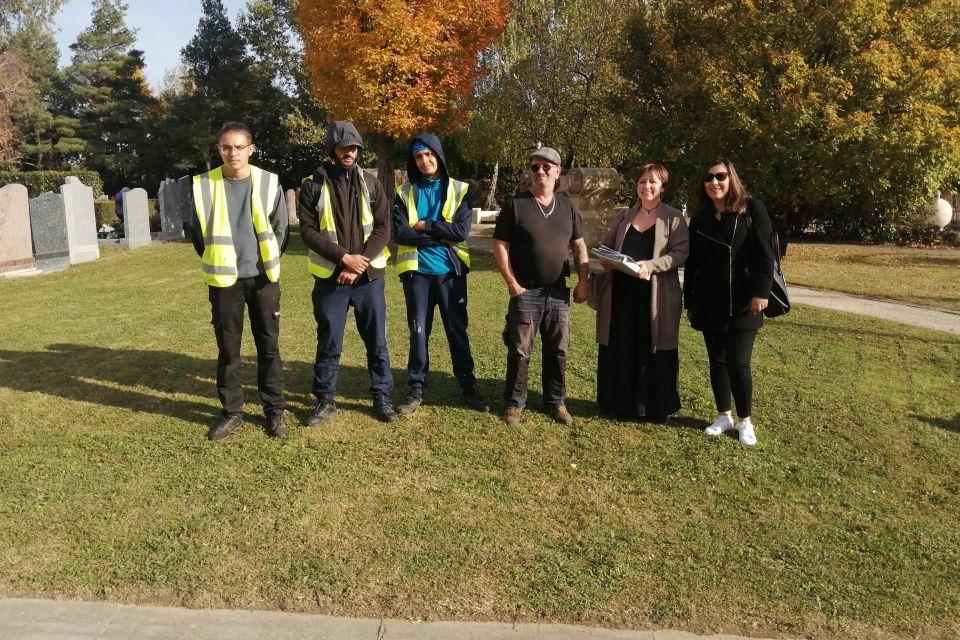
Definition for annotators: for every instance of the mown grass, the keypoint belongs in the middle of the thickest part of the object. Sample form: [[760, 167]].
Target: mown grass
[[841, 523], [924, 277]]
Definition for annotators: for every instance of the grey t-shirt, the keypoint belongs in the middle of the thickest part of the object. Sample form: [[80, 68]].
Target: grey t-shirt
[[249, 263]]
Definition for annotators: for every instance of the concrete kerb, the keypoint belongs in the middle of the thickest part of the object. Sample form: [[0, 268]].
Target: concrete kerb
[[30, 619]]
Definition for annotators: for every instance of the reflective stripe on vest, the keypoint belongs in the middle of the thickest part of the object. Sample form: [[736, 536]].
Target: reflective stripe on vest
[[456, 191], [317, 264], [219, 260]]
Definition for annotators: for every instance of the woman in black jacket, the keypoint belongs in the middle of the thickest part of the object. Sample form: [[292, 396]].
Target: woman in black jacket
[[726, 284]]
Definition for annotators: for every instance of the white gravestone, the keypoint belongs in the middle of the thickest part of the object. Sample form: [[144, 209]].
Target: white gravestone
[[81, 221], [136, 219]]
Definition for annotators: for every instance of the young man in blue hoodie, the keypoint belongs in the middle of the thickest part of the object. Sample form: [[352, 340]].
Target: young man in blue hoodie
[[431, 220]]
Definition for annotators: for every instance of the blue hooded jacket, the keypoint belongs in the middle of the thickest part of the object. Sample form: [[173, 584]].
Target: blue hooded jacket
[[438, 230]]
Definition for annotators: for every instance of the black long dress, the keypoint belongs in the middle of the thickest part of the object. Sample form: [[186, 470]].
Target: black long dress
[[632, 381]]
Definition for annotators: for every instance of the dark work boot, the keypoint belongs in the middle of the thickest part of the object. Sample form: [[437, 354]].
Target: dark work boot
[[410, 404], [276, 426], [322, 411], [224, 427], [383, 409], [476, 400]]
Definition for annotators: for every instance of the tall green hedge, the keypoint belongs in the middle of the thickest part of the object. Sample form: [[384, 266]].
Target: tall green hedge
[[38, 182]]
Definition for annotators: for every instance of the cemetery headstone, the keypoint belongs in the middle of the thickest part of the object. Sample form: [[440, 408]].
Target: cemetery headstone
[[81, 221], [136, 219], [48, 223], [595, 192], [16, 247], [185, 191], [291, 197], [168, 204]]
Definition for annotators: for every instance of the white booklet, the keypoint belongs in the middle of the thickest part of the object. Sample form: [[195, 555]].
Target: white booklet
[[621, 262]]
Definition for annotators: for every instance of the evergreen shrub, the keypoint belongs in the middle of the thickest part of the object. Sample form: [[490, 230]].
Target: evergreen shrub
[[38, 182]]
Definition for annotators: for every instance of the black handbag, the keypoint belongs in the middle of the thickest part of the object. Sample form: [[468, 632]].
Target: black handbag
[[778, 303]]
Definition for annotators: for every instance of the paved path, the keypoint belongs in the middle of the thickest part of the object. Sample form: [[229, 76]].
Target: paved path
[[480, 240], [896, 312], [22, 619]]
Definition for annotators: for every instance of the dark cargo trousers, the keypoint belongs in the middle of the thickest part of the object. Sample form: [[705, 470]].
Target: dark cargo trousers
[[262, 298], [331, 301], [422, 293], [546, 310]]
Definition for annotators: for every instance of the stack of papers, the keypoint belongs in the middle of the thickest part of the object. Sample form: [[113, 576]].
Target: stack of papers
[[621, 262]]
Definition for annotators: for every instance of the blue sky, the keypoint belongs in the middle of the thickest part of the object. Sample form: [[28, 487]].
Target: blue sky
[[162, 26]]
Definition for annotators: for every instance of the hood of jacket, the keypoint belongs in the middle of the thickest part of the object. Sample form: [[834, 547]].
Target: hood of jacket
[[339, 132], [433, 143]]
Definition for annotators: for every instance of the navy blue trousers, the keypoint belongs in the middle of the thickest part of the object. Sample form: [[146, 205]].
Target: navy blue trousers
[[330, 305], [423, 293]]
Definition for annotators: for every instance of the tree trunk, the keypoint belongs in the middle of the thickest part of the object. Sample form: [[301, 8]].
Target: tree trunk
[[385, 171], [492, 194]]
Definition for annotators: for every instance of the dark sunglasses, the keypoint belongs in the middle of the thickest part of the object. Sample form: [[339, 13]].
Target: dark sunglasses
[[546, 166], [719, 175]]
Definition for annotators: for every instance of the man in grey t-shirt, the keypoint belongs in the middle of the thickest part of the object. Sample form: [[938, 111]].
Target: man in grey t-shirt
[[239, 232]]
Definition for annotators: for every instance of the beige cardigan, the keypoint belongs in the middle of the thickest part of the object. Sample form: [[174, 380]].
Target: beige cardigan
[[671, 246]]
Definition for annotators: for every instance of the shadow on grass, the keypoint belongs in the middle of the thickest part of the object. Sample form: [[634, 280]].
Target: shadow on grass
[[141, 380], [144, 381], [948, 424]]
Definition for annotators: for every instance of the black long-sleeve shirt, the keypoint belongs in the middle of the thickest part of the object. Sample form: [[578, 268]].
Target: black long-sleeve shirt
[[346, 217]]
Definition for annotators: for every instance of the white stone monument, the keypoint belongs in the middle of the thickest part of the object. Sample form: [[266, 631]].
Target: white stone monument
[[136, 219], [81, 221]]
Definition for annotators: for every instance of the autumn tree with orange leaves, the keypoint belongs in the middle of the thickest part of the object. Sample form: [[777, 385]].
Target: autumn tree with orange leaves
[[397, 67]]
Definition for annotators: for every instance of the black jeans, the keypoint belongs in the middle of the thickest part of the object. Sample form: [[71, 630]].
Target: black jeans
[[546, 310], [729, 354], [331, 302], [262, 297], [423, 292]]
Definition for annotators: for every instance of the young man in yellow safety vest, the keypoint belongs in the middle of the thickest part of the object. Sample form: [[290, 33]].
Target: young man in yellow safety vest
[[239, 233], [431, 221], [345, 223]]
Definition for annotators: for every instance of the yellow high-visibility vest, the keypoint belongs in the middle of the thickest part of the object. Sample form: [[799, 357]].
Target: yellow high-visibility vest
[[317, 264], [219, 260], [407, 259]]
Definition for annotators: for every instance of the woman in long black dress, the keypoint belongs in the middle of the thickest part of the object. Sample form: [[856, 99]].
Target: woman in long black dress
[[638, 316]]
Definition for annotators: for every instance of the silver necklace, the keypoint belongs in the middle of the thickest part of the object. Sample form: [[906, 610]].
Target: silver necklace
[[649, 212], [546, 214]]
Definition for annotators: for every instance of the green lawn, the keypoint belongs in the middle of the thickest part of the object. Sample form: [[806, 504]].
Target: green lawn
[[924, 277], [842, 522]]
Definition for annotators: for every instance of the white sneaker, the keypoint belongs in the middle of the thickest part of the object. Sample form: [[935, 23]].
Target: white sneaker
[[747, 436], [721, 424]]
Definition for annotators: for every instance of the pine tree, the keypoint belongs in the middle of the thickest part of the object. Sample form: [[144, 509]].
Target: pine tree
[[227, 84], [111, 97], [43, 132]]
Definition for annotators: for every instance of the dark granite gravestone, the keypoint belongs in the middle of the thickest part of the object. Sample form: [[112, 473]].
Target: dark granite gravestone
[[168, 208], [185, 191], [48, 223]]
